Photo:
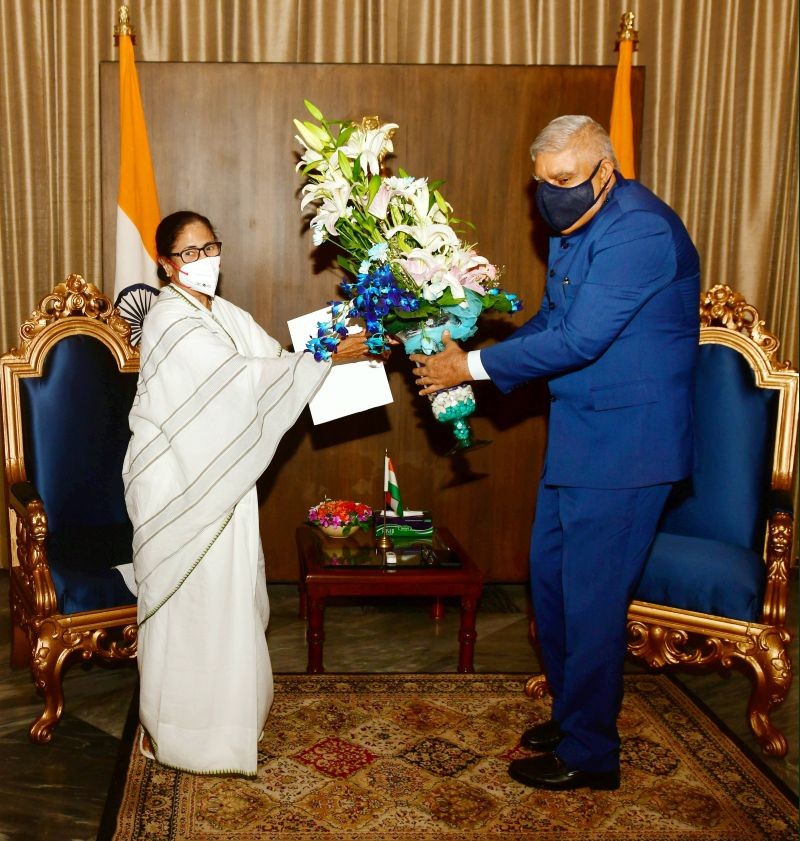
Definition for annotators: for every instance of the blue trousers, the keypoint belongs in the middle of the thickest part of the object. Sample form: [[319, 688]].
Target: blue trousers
[[588, 549]]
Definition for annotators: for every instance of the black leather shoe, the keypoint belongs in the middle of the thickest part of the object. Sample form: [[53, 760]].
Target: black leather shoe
[[550, 772], [543, 737]]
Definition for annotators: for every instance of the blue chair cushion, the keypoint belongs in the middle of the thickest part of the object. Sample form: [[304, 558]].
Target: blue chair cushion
[[735, 422], [75, 431], [80, 563], [707, 576]]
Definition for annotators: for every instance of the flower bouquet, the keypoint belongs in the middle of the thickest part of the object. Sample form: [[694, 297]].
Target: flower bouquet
[[410, 275], [337, 518]]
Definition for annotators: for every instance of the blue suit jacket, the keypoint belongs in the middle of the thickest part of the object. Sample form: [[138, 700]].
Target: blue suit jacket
[[616, 337]]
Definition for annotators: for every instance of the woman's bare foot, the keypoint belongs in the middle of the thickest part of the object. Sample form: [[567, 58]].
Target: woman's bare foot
[[145, 745]]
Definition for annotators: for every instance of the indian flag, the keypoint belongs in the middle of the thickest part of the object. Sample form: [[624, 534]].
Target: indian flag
[[621, 125], [135, 279], [391, 492]]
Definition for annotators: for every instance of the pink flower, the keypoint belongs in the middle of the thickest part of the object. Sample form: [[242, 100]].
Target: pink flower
[[380, 204]]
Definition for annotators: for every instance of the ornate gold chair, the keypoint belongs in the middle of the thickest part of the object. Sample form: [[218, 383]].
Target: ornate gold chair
[[66, 393], [715, 586]]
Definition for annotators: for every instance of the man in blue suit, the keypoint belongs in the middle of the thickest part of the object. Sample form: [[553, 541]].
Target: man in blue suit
[[616, 338]]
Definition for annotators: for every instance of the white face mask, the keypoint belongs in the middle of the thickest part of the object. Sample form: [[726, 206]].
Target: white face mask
[[202, 275]]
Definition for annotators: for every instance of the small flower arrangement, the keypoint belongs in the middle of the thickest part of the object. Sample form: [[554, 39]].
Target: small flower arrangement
[[397, 238], [340, 516]]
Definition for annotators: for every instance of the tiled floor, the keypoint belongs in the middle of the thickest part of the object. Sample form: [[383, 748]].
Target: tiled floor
[[56, 792]]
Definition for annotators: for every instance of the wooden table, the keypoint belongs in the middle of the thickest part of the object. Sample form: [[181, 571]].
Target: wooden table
[[319, 580]]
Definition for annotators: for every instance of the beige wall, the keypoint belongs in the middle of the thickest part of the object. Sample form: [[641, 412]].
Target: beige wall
[[719, 125]]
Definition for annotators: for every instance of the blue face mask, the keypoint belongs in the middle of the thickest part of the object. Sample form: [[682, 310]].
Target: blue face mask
[[561, 207]]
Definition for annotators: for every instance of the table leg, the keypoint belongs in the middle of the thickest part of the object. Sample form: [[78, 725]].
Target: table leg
[[437, 609], [315, 634], [467, 634]]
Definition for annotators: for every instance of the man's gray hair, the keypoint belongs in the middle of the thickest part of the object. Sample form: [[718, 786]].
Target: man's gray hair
[[574, 131]]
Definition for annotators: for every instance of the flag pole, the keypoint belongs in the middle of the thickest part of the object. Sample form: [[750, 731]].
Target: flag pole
[[135, 274], [124, 26], [621, 123], [384, 542]]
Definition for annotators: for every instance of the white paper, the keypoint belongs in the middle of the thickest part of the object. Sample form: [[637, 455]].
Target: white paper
[[348, 389]]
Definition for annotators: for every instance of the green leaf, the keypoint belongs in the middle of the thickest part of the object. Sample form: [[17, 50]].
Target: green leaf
[[446, 299], [357, 169], [398, 320], [374, 186], [347, 264], [441, 202], [401, 241], [344, 134], [313, 110], [401, 172], [344, 165], [499, 303]]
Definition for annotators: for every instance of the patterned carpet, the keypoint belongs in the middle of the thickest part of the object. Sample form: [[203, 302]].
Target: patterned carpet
[[424, 757]]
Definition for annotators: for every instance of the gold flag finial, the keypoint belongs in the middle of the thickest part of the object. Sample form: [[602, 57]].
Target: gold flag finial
[[124, 26], [626, 30]]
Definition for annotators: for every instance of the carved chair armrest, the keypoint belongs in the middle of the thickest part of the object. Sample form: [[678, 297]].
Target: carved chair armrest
[[21, 493], [31, 534], [781, 500], [780, 533]]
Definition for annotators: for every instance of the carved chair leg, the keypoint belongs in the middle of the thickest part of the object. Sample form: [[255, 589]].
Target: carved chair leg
[[20, 647], [20, 644], [47, 666], [772, 671], [537, 687]]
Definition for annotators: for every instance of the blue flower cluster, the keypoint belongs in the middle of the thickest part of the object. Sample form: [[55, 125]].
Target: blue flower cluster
[[373, 295], [328, 334]]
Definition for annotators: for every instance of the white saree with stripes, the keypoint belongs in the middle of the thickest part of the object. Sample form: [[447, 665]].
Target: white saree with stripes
[[215, 396]]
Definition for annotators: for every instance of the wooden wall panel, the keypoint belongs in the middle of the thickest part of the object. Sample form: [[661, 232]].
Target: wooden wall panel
[[223, 143]]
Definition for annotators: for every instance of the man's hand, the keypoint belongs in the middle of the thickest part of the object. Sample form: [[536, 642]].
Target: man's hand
[[441, 370]]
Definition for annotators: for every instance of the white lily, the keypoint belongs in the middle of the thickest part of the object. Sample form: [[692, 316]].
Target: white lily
[[369, 146], [391, 187], [475, 272], [333, 208], [421, 204], [420, 265], [433, 290], [380, 204], [311, 193], [312, 156], [407, 186], [334, 187], [429, 235], [464, 260]]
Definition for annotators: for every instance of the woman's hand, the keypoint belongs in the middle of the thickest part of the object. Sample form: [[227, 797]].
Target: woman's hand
[[353, 348], [441, 370]]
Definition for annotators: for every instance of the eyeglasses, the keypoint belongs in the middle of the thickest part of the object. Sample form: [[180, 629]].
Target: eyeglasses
[[190, 255]]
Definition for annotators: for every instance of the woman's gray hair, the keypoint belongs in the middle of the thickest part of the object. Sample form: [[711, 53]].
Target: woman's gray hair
[[578, 131]]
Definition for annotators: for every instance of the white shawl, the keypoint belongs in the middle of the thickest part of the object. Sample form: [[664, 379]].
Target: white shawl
[[215, 396]]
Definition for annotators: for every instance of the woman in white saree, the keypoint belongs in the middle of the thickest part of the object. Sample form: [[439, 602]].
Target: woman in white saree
[[214, 398]]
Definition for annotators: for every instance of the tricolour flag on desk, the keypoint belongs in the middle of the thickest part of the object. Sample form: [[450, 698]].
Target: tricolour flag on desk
[[391, 491], [135, 278]]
